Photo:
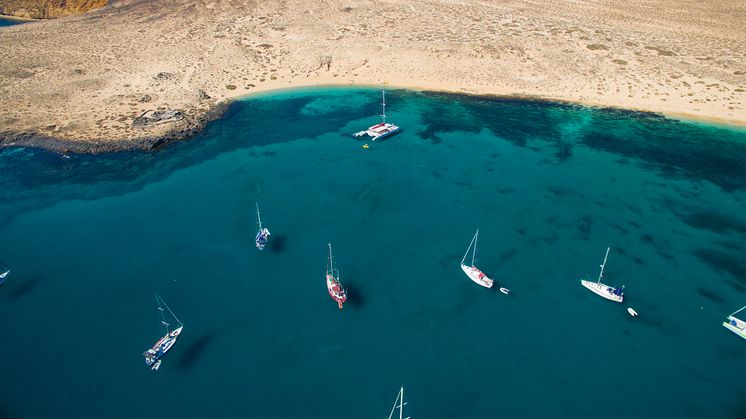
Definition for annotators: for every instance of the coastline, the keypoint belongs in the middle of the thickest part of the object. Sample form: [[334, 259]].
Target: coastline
[[85, 82], [18, 18], [195, 126]]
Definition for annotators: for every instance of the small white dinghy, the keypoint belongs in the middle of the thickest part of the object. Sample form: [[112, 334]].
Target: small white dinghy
[[631, 312], [504, 290]]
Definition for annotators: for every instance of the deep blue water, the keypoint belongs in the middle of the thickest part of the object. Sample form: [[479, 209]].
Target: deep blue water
[[91, 238]]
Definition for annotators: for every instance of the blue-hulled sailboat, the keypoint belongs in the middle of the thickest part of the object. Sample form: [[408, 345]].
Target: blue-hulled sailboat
[[262, 236], [153, 355]]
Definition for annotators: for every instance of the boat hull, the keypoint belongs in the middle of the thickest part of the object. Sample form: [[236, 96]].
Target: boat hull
[[387, 134], [602, 290], [261, 238], [336, 291], [477, 276], [153, 355], [738, 328]]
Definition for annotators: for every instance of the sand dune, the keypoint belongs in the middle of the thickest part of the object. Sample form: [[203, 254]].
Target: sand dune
[[84, 80]]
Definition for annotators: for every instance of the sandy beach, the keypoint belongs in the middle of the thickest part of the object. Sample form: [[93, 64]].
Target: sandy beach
[[136, 74]]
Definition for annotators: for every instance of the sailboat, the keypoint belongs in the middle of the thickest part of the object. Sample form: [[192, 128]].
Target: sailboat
[[606, 291], [4, 272], [153, 355], [383, 129], [736, 325], [472, 271], [262, 236], [399, 404], [332, 282]]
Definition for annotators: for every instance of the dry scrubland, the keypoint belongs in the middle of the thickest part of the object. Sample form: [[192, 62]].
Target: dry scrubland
[[85, 79], [46, 9]]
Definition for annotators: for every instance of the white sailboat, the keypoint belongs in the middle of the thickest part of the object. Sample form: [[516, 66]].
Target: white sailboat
[[383, 129], [736, 325], [399, 404], [262, 236], [4, 272], [472, 271], [606, 291], [153, 355]]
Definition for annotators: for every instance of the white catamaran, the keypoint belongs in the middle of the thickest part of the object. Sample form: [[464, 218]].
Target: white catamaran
[[606, 291], [383, 129], [472, 271], [153, 355], [736, 325], [399, 405], [263, 235]]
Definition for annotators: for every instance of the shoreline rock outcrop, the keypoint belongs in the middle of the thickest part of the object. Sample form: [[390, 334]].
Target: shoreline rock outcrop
[[48, 9]]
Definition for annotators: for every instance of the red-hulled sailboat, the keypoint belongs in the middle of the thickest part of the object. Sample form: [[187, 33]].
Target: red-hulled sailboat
[[332, 282]]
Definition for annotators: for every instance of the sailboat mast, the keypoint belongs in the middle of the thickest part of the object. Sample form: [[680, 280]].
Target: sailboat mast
[[474, 251], [467, 251], [398, 404], [259, 219], [160, 309], [401, 402], [603, 265], [383, 104], [331, 260]]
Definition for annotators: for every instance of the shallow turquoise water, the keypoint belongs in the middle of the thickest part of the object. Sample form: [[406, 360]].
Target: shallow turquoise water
[[9, 22], [91, 238]]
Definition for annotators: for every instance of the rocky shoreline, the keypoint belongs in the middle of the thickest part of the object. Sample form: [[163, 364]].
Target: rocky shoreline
[[190, 127]]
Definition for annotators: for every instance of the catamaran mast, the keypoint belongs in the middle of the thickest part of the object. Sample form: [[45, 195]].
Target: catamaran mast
[[383, 104], [603, 265], [259, 219]]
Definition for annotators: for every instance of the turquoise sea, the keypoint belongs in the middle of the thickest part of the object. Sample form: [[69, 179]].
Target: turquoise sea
[[9, 22], [91, 238]]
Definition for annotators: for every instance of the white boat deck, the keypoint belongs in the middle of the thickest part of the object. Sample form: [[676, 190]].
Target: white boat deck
[[736, 326], [602, 290], [477, 276]]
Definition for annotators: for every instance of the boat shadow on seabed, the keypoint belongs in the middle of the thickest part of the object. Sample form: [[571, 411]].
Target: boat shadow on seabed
[[195, 350], [277, 244]]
